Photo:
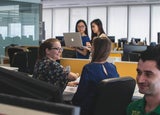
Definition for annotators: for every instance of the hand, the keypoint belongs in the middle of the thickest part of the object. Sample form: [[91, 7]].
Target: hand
[[73, 76], [88, 44]]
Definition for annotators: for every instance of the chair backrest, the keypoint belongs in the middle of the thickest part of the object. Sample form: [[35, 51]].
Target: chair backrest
[[32, 58], [113, 96], [134, 56], [20, 84], [11, 52], [20, 60], [25, 60]]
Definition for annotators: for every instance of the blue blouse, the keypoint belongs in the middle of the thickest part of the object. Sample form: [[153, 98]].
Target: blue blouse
[[84, 40], [92, 74]]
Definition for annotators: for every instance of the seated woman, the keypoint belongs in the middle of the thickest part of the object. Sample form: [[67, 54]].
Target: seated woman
[[46, 67], [93, 73]]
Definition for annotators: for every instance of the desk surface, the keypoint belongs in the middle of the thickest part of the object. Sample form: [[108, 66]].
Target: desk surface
[[70, 91], [120, 52]]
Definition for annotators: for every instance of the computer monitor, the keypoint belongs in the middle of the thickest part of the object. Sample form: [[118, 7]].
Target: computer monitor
[[136, 40], [61, 39], [121, 42], [14, 105], [20, 84], [158, 38], [112, 38], [132, 49]]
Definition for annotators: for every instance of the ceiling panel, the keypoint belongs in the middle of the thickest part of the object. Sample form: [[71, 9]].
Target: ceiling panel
[[75, 3]]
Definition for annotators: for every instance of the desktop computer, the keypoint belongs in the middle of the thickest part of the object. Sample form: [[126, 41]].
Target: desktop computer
[[158, 37]]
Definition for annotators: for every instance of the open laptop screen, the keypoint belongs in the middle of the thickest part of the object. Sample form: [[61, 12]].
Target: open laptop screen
[[73, 39]]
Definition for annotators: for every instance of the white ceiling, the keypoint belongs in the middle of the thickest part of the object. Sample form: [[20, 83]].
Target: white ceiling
[[79, 3]]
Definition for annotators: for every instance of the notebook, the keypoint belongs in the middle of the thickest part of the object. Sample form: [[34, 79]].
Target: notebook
[[73, 39]]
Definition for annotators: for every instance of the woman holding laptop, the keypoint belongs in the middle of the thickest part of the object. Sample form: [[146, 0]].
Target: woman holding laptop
[[81, 27]]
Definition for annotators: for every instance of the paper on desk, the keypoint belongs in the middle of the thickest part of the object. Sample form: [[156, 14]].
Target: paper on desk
[[10, 68], [70, 89]]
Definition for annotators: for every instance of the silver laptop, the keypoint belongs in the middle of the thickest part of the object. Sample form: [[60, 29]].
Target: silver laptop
[[73, 39]]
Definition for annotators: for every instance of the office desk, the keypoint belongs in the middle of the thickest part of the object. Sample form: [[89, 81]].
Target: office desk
[[4, 59], [70, 91]]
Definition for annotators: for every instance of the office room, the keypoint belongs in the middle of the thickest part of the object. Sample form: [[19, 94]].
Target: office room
[[132, 26]]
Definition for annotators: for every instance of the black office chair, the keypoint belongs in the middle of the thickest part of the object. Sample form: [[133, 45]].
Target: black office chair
[[20, 84], [32, 58], [11, 52], [113, 96], [134, 56], [67, 53], [20, 60], [25, 60]]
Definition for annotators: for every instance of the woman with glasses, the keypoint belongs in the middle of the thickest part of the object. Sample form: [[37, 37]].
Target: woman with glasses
[[48, 69], [81, 27]]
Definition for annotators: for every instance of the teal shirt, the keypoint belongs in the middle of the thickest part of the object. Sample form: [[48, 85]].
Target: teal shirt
[[137, 108]]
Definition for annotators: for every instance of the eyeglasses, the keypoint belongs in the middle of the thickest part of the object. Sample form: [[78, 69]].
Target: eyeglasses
[[58, 49], [81, 26]]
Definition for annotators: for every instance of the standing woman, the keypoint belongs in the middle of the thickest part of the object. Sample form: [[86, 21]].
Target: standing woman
[[97, 29], [93, 73], [81, 27], [46, 67]]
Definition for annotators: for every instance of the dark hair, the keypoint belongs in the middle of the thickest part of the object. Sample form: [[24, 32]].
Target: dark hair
[[86, 29], [46, 44], [102, 48], [100, 27], [152, 53]]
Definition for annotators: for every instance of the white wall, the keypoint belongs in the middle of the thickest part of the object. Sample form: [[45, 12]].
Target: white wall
[[121, 21]]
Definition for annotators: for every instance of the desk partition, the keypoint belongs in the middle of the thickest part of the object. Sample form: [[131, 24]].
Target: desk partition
[[75, 64], [126, 68]]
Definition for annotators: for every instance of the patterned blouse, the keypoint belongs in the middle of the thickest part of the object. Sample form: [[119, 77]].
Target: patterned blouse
[[52, 72]]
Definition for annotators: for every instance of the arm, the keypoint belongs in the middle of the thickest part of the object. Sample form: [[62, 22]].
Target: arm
[[80, 95], [73, 76], [83, 52]]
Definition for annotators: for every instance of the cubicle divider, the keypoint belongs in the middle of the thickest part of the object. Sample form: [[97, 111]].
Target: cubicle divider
[[124, 68], [75, 64]]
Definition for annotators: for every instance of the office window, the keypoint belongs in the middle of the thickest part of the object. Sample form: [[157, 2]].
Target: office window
[[3, 31], [117, 21], [47, 19], [75, 15], [60, 21], [15, 29], [28, 30], [139, 20], [15, 16], [155, 21], [97, 12]]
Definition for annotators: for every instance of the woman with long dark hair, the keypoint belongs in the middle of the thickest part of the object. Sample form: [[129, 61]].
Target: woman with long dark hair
[[92, 73]]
